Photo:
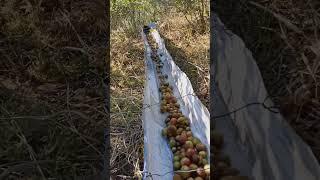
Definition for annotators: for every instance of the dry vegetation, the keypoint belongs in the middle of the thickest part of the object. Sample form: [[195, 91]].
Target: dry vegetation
[[189, 49], [283, 36], [52, 115]]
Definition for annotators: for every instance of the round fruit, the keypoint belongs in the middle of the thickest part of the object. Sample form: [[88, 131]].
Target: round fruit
[[174, 149], [185, 161], [207, 169], [190, 152], [176, 158], [195, 158], [183, 138], [204, 161], [176, 165], [203, 154], [195, 141], [193, 166], [171, 131], [201, 147], [188, 144], [185, 175], [189, 133], [172, 143], [173, 121]]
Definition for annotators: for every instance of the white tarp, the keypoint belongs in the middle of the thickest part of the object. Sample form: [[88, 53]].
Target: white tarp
[[261, 143], [157, 154]]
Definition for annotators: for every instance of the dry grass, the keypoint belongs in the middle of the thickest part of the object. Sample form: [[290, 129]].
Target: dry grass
[[127, 81], [51, 92], [283, 36]]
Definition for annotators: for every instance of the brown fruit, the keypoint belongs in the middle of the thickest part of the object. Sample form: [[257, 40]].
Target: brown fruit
[[185, 175], [172, 131], [201, 147], [203, 154], [189, 134], [193, 167], [183, 138], [185, 161], [190, 152], [173, 121], [195, 158]]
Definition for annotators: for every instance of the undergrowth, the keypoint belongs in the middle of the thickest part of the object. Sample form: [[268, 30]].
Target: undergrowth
[[51, 92]]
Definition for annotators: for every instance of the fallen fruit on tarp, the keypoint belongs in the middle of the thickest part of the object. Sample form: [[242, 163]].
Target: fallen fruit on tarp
[[190, 160]]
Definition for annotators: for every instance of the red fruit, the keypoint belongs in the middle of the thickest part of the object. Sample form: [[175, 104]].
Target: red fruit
[[190, 152], [173, 121], [185, 161], [183, 138]]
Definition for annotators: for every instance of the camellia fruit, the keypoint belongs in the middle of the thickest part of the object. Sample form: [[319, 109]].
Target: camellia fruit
[[173, 121], [195, 158], [201, 147], [171, 131], [176, 158], [188, 144], [185, 161], [207, 169], [176, 165], [172, 143], [190, 152], [185, 175], [193, 166], [203, 154]]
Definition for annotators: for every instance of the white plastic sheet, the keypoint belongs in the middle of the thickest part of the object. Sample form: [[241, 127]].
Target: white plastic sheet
[[260, 143], [157, 154]]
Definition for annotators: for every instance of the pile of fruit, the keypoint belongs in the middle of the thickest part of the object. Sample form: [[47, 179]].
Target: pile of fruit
[[190, 157]]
